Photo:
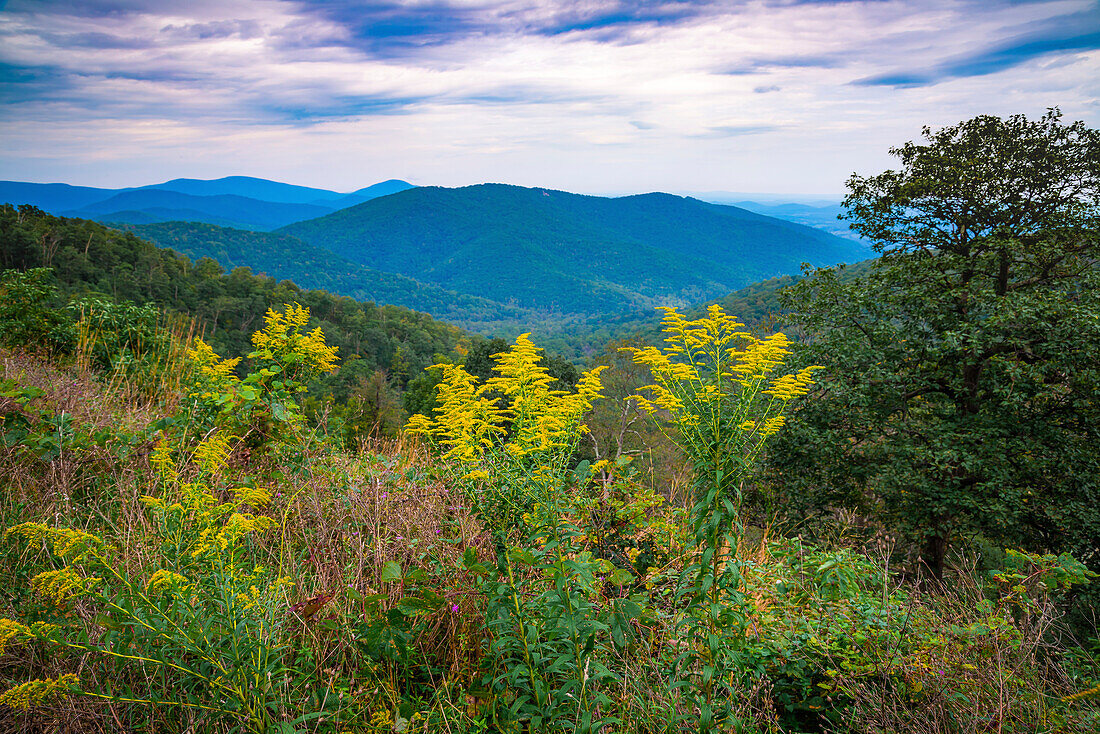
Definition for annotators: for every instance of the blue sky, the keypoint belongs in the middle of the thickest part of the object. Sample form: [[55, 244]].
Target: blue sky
[[597, 96]]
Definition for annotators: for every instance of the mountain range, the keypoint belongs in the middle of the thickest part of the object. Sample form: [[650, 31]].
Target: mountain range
[[494, 258], [242, 202]]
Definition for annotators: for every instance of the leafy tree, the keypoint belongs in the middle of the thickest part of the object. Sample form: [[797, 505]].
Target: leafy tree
[[28, 318], [962, 373]]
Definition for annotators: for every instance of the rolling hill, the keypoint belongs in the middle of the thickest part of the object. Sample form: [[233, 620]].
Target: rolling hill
[[287, 258], [569, 254]]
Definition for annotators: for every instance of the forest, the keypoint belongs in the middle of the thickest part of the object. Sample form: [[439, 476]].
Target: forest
[[865, 499]]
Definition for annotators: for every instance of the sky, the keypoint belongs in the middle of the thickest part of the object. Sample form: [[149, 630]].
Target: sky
[[592, 96]]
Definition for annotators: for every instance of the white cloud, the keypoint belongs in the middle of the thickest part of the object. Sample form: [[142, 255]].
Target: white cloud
[[286, 91]]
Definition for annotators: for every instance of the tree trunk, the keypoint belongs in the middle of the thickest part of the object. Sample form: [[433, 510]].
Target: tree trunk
[[932, 557]]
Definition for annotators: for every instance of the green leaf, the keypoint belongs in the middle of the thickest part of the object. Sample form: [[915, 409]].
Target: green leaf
[[391, 571], [621, 577]]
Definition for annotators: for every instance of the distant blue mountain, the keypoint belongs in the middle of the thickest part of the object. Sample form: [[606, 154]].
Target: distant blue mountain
[[259, 204], [249, 187], [51, 197], [225, 210], [264, 190], [385, 188], [825, 217]]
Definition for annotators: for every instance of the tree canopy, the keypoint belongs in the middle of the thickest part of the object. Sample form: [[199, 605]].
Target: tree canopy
[[960, 395]]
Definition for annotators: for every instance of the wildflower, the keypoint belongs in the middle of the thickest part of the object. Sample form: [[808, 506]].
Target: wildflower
[[27, 695], [62, 584], [165, 581], [254, 496], [212, 454], [66, 542], [284, 336], [10, 630], [216, 370]]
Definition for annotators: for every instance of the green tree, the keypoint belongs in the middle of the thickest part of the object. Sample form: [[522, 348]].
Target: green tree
[[961, 381]]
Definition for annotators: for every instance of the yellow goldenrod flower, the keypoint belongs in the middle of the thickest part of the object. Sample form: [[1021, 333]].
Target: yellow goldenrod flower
[[163, 462], [284, 335], [713, 375], [12, 630], [218, 371], [66, 542], [165, 581], [212, 454], [62, 584], [253, 496], [26, 696]]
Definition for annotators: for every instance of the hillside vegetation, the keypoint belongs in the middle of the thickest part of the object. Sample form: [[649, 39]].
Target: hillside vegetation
[[287, 258], [573, 270]]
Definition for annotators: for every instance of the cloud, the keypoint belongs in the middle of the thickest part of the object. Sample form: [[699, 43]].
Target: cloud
[[244, 29], [728, 131], [757, 65], [1075, 32], [610, 93]]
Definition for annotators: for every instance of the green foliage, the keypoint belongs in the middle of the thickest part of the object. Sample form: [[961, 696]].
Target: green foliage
[[512, 581], [262, 405], [963, 369], [512, 463], [422, 607], [89, 260], [28, 315], [31, 429], [114, 336]]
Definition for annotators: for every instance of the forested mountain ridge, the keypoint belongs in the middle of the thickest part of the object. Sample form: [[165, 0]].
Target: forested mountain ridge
[[569, 253], [495, 259], [285, 257]]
